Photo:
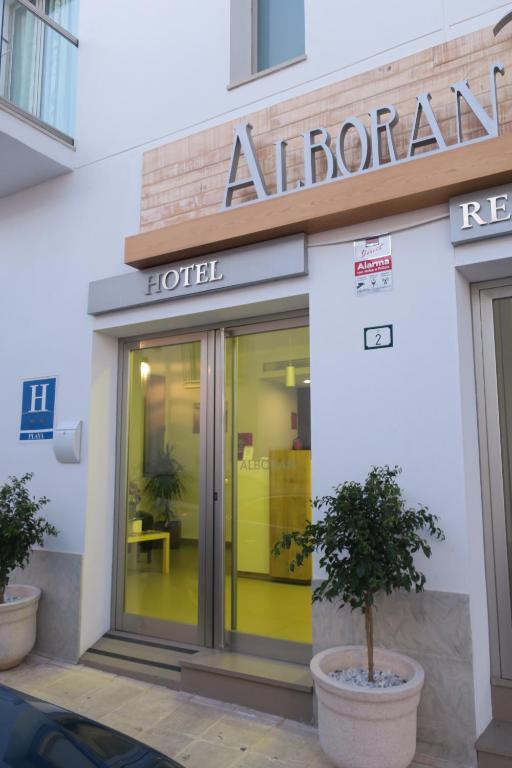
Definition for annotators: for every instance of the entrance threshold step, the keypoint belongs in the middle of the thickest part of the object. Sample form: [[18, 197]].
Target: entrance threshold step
[[276, 687], [494, 747], [148, 659]]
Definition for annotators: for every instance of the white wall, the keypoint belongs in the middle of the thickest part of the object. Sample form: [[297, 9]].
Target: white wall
[[151, 71]]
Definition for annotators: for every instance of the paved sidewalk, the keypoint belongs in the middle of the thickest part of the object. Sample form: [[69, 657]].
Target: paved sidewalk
[[197, 732]]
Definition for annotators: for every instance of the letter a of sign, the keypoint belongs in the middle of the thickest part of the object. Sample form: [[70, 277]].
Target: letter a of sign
[[462, 90], [244, 143], [436, 137]]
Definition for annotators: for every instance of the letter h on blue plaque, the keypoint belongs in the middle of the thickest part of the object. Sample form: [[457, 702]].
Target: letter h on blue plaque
[[38, 409]]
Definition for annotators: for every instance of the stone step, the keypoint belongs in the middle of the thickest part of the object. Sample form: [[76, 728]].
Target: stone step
[[502, 701], [149, 659], [494, 747], [276, 687]]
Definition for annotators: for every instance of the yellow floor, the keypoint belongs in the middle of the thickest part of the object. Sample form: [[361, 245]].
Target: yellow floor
[[266, 608]]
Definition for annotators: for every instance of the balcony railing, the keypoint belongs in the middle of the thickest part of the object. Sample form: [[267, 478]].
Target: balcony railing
[[38, 57]]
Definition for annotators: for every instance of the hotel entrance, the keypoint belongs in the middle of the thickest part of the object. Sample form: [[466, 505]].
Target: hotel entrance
[[215, 464]]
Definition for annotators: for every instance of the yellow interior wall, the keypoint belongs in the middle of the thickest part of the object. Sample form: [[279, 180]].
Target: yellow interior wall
[[179, 410], [264, 408], [253, 517]]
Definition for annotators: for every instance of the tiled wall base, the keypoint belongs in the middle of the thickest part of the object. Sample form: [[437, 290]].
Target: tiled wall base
[[434, 628], [58, 574]]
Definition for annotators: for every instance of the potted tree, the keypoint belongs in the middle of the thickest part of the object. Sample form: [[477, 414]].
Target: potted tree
[[163, 487], [21, 528], [367, 697]]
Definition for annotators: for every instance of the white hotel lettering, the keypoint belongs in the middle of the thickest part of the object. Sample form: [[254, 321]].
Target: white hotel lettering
[[371, 144], [473, 212], [186, 277]]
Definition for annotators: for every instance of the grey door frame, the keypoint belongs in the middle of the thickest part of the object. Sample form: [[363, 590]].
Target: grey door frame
[[495, 541], [152, 627], [240, 642], [210, 631]]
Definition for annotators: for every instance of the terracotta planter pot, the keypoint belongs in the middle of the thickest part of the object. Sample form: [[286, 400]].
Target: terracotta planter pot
[[18, 624], [367, 727]]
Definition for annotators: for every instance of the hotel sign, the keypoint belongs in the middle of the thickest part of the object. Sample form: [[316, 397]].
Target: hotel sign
[[481, 215], [38, 409], [376, 146], [275, 260]]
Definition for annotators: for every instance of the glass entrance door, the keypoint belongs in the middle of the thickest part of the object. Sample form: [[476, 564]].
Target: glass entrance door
[[215, 465], [493, 341], [163, 509], [267, 490]]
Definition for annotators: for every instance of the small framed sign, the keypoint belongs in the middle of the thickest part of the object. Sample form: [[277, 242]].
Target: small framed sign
[[378, 337], [373, 264], [38, 409]]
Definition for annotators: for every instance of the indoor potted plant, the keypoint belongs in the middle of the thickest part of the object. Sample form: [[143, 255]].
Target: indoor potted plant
[[163, 487], [21, 528], [367, 697]]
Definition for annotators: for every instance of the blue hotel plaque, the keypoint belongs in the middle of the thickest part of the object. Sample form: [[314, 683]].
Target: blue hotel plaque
[[38, 409]]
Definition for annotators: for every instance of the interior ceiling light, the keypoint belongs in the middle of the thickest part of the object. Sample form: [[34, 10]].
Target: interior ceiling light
[[145, 370], [307, 381], [290, 375]]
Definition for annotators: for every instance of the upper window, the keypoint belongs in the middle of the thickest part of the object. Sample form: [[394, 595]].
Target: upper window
[[279, 31], [38, 52], [265, 35]]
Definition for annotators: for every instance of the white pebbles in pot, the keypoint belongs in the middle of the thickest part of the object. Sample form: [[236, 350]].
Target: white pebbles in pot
[[359, 676]]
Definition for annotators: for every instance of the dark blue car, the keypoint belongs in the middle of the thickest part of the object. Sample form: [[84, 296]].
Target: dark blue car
[[36, 734]]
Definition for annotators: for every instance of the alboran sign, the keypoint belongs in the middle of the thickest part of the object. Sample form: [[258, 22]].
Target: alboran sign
[[373, 145]]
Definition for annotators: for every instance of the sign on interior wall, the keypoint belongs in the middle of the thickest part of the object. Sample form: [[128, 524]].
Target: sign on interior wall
[[38, 409], [373, 264]]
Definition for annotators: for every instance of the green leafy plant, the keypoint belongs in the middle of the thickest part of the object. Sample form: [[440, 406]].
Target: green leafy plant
[[134, 498], [366, 542], [167, 483], [21, 526]]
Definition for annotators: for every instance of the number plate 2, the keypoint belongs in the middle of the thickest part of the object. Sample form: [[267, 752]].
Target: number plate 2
[[378, 337]]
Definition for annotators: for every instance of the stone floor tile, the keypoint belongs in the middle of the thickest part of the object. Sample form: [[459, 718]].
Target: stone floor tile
[[150, 707], [235, 730], [224, 705], [170, 744], [301, 728], [71, 687], [290, 747], [320, 761], [252, 760], [96, 674], [36, 675], [261, 717], [190, 718], [128, 726], [102, 701], [201, 753]]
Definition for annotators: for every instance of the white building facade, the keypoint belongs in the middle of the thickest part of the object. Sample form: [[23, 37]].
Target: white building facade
[[258, 371]]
